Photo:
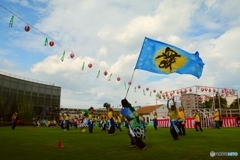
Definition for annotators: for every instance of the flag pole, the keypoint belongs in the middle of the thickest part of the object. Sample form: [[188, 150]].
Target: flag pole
[[131, 84], [135, 69]]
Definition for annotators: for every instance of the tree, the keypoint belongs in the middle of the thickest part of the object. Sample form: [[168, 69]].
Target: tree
[[215, 100], [234, 104], [24, 107]]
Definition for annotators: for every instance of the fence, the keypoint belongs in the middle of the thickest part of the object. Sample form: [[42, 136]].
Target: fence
[[206, 122]]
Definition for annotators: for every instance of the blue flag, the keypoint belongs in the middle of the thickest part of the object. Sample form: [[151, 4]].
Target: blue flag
[[162, 58]]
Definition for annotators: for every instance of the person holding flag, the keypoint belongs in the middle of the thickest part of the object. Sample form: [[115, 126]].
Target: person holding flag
[[136, 130]]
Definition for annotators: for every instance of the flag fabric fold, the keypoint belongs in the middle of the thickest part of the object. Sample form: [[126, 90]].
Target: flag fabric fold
[[162, 58]]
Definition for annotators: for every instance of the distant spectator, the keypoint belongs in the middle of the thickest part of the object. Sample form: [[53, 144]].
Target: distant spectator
[[14, 120], [216, 118]]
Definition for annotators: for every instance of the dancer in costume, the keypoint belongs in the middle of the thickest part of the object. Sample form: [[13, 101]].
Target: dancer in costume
[[61, 116], [103, 123], [14, 120], [119, 123], [181, 121], [173, 113], [142, 121], [110, 122], [83, 121], [90, 119], [155, 123], [197, 120], [136, 130]]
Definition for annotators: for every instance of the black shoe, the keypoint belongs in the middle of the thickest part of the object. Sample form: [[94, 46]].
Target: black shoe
[[196, 130], [175, 139]]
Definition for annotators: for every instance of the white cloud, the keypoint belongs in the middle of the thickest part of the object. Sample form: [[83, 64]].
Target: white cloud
[[109, 35]]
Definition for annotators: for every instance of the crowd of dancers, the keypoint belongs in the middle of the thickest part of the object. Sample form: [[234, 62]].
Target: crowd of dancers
[[134, 122]]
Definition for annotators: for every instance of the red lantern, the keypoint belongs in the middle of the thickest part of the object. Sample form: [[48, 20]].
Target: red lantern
[[214, 90], [160, 92], [71, 55], [51, 43], [209, 90], [89, 65], [118, 78], [139, 86], [206, 89], [129, 83], [202, 89], [177, 92], [154, 91], [185, 90], [190, 90], [27, 28], [105, 73], [147, 89]]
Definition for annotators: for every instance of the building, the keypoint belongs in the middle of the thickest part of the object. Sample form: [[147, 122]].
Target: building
[[148, 111], [28, 98]]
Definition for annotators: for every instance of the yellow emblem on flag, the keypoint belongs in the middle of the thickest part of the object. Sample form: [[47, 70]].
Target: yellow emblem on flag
[[169, 60]]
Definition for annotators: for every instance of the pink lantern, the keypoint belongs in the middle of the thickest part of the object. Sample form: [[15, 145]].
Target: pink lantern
[[206, 89], [202, 89], [71, 55], [51, 43], [209, 90], [27, 28], [89, 65], [214, 90], [105, 73]]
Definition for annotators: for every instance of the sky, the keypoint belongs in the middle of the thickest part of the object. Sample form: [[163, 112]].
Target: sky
[[109, 35]]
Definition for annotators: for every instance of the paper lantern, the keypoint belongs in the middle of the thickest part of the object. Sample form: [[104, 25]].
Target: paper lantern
[[190, 90], [105, 73], [202, 89], [139, 86], [71, 55], [171, 94], [177, 92], [129, 83], [154, 91], [147, 89], [185, 91], [51, 43], [214, 90], [118, 78], [89, 65], [209, 90], [206, 89], [27, 28], [160, 92]]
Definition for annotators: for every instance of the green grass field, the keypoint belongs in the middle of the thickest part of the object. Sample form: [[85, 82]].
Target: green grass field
[[25, 143]]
